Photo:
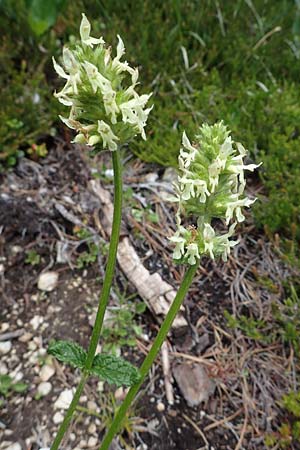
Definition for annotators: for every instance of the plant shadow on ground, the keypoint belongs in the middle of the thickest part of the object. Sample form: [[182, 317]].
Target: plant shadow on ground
[[42, 206]]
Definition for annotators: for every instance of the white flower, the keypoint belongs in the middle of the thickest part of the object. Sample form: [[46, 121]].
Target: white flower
[[191, 188], [192, 252], [93, 140], [79, 139], [180, 242], [108, 137], [214, 170], [208, 236], [185, 158], [133, 112], [85, 30], [97, 80], [234, 208]]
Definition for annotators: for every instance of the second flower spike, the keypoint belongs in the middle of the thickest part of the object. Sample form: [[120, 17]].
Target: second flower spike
[[211, 185]]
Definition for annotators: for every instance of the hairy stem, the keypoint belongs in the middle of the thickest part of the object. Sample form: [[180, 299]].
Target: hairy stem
[[161, 336], [103, 300]]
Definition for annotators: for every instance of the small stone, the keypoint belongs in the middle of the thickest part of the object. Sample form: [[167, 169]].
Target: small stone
[[3, 368], [160, 407], [92, 442], [92, 405], [194, 383], [150, 177], [92, 428], [119, 393], [25, 337], [4, 327], [64, 399], [15, 446], [100, 386], [32, 346], [36, 321], [5, 347], [47, 372], [16, 249], [48, 281], [18, 376], [44, 388], [58, 418]]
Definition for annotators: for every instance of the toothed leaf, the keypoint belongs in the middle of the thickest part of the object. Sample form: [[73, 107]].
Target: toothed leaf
[[68, 352], [115, 370]]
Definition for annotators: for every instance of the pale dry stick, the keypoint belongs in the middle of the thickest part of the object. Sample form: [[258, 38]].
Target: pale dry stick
[[167, 373], [246, 399], [195, 426], [197, 359], [243, 431], [224, 421], [12, 335]]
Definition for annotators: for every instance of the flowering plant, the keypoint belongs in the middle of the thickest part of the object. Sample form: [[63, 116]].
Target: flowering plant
[[210, 186], [106, 112], [105, 109]]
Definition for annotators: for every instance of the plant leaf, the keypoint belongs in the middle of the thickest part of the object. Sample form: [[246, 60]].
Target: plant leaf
[[115, 370], [42, 14], [68, 352]]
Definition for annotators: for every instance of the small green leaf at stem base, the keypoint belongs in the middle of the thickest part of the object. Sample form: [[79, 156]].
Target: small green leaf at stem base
[[115, 370], [68, 352]]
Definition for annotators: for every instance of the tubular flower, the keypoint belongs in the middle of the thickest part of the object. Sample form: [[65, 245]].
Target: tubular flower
[[210, 185], [105, 109]]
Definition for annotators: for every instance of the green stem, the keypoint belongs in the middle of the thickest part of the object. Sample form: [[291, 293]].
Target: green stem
[[161, 336], [103, 300], [68, 417], [111, 262]]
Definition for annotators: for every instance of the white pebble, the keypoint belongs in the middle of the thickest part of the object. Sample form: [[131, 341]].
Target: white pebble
[[36, 321], [5, 347], [47, 372], [64, 399], [92, 428], [3, 368], [160, 407], [48, 281], [15, 446], [119, 393], [58, 418], [5, 326], [25, 337], [44, 388], [92, 442]]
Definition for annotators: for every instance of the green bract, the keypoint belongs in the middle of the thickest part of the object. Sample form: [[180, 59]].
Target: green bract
[[210, 185], [103, 111]]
